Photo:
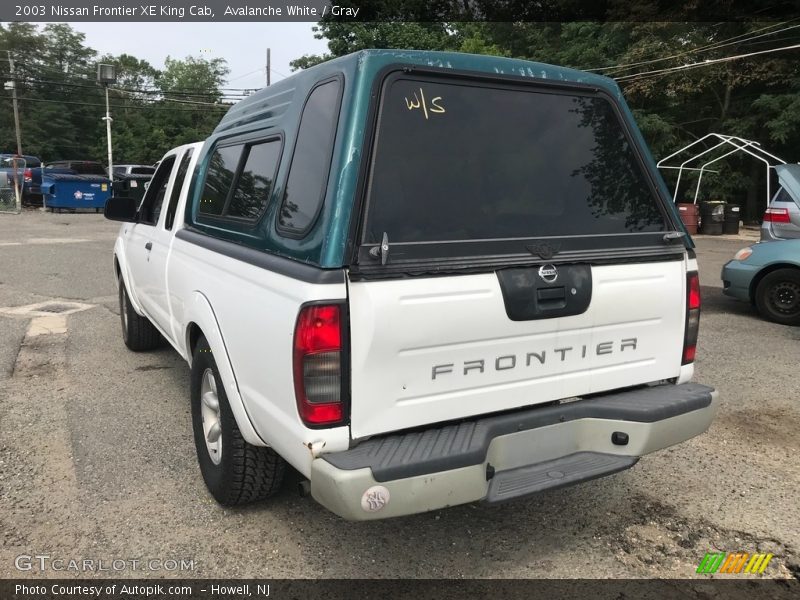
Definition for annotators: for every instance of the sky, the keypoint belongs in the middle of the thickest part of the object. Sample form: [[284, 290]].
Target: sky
[[242, 45]]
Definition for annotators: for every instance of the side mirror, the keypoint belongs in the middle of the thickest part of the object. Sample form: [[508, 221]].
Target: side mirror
[[121, 208]]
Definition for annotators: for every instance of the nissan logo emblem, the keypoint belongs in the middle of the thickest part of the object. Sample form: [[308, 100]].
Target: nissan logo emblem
[[548, 273]]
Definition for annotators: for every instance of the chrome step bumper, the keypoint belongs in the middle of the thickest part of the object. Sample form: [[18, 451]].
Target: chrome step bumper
[[500, 457]]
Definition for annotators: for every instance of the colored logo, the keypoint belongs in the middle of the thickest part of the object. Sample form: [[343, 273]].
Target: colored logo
[[78, 194], [734, 562]]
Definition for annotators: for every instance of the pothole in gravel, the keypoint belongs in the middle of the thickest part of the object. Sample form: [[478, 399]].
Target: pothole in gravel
[[49, 307], [56, 308], [657, 537]]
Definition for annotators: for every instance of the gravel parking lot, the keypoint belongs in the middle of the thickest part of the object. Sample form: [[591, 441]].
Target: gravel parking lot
[[97, 459]]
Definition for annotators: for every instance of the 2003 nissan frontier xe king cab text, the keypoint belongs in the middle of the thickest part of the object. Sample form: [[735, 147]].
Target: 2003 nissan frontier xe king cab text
[[421, 279]]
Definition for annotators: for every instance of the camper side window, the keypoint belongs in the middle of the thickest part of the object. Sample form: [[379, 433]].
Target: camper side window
[[308, 174]]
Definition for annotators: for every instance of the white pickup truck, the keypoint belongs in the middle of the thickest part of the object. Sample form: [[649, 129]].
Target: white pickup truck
[[421, 279]]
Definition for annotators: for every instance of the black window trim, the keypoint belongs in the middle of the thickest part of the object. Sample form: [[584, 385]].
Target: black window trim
[[187, 155], [289, 232], [173, 157], [246, 143], [358, 250]]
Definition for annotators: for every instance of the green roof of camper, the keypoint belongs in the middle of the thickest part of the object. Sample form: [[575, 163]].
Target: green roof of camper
[[365, 64]]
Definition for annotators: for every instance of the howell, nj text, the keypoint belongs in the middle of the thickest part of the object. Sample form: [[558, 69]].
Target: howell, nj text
[[507, 362]]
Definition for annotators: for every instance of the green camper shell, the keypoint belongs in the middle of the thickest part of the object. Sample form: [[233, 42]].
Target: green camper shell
[[276, 111]]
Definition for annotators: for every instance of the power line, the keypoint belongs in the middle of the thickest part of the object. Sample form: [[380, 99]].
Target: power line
[[37, 66], [120, 106], [178, 91], [713, 46], [711, 61], [196, 103], [223, 96], [259, 70], [128, 89], [244, 90], [729, 41]]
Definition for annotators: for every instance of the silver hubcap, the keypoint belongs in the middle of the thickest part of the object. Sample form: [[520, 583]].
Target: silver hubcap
[[210, 412]]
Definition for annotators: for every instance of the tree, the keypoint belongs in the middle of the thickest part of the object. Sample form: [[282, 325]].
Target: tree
[[25, 43], [61, 105], [344, 38], [193, 86], [193, 79]]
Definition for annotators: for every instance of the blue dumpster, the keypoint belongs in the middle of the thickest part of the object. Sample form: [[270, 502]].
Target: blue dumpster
[[63, 190]]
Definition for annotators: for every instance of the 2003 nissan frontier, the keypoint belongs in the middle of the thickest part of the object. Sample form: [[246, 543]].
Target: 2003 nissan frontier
[[421, 279]]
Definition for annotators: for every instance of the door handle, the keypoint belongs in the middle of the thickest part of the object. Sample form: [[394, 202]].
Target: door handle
[[551, 298], [149, 246]]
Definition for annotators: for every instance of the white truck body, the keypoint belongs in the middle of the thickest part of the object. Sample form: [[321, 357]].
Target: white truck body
[[445, 387]]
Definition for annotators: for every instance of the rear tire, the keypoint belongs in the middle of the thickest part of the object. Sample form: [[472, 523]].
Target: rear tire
[[234, 471], [778, 296], [138, 332]]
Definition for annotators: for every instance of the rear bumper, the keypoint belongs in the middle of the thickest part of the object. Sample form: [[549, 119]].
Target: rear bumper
[[508, 456], [787, 231], [766, 233]]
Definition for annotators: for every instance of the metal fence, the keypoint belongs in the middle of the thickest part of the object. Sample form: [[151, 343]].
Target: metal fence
[[11, 177], [8, 200]]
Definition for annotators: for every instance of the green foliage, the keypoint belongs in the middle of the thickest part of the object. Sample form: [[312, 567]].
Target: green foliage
[[195, 75], [783, 115], [308, 60], [61, 105], [344, 38]]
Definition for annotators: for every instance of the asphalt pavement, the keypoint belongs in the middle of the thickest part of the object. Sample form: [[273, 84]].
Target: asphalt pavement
[[97, 459]]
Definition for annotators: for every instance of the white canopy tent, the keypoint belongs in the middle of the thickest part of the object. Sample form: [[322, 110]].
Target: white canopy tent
[[728, 145]]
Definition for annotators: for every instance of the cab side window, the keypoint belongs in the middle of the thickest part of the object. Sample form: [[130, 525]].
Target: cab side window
[[150, 209]]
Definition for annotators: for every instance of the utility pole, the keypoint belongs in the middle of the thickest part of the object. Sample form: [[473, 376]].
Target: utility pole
[[106, 75], [268, 66], [108, 120], [15, 163], [14, 101]]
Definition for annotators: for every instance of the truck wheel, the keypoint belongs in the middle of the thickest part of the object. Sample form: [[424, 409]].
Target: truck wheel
[[778, 296], [138, 332], [235, 472]]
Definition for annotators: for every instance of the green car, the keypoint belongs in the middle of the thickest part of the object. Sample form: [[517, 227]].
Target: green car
[[767, 275]]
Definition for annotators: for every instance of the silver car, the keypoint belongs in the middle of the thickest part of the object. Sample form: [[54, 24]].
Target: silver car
[[782, 218]]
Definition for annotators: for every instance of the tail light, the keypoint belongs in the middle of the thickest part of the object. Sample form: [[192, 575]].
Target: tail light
[[692, 317], [27, 175], [777, 215], [319, 365]]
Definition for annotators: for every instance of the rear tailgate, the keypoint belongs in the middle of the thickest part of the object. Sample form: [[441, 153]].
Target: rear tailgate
[[431, 350], [513, 251]]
